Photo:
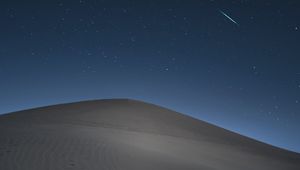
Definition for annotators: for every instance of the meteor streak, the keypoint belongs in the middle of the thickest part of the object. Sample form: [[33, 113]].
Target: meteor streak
[[228, 17]]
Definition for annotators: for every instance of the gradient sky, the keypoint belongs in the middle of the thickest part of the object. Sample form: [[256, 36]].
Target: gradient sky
[[185, 55]]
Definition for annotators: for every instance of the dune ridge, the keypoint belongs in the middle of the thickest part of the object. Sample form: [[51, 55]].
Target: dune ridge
[[128, 134]]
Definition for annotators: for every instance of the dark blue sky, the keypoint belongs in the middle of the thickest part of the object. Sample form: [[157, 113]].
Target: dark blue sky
[[185, 55]]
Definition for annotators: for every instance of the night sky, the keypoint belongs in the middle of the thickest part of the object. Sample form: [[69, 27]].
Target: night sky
[[235, 64]]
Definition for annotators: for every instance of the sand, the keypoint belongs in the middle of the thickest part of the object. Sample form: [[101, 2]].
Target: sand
[[122, 134]]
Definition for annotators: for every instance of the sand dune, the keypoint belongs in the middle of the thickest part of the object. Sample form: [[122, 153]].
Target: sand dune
[[127, 135]]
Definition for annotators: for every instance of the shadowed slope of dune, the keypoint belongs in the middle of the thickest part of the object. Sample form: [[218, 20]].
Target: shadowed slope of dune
[[127, 134]]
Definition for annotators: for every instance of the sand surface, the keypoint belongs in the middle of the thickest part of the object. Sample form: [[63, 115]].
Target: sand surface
[[128, 135]]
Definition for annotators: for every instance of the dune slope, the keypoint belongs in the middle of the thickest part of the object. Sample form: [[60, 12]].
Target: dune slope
[[122, 134]]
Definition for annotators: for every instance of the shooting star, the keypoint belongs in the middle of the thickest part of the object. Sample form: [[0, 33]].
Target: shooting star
[[228, 17]]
